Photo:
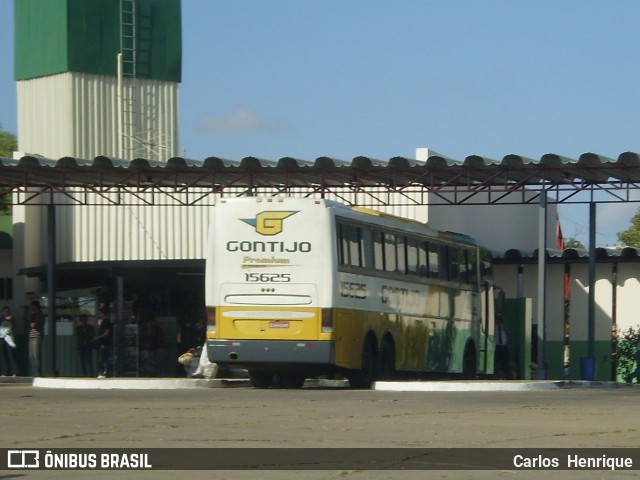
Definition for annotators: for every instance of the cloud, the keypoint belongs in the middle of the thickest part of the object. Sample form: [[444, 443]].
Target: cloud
[[242, 120]]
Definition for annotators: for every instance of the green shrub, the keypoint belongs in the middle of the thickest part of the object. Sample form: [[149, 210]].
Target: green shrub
[[626, 352]]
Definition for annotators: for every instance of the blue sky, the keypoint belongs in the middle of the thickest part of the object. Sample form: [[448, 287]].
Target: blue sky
[[344, 78]]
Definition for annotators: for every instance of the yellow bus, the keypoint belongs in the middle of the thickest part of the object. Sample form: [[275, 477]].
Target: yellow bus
[[298, 287]]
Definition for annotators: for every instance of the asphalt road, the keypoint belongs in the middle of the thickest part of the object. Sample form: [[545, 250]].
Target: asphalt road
[[245, 417]]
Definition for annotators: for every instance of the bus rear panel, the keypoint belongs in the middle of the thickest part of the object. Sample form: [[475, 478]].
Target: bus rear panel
[[267, 271]]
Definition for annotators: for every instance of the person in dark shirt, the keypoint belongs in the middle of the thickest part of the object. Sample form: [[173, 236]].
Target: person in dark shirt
[[104, 342], [502, 361], [85, 334]]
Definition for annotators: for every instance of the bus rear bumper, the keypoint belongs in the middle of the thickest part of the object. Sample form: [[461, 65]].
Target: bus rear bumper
[[270, 351]]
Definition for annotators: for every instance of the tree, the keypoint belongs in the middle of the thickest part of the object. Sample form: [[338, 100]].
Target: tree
[[572, 242], [625, 355], [8, 145], [631, 236]]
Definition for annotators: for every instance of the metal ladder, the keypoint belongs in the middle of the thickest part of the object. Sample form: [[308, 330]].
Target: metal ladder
[[127, 76], [137, 106]]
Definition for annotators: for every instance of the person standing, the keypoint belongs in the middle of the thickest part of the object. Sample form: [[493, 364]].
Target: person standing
[[84, 337], [36, 332], [502, 362], [104, 342], [7, 343]]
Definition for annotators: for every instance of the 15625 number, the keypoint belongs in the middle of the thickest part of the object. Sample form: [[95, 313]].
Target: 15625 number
[[267, 277]]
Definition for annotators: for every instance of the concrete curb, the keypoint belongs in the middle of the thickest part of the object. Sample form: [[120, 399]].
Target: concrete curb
[[415, 386], [492, 386], [16, 379], [163, 383], [485, 386], [137, 383]]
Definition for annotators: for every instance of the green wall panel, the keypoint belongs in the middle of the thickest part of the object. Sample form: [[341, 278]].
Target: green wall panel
[[554, 358], [602, 357], [518, 324], [94, 36], [40, 38], [56, 36]]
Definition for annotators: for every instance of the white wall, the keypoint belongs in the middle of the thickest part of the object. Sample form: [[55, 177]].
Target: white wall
[[74, 114], [499, 227], [628, 313], [628, 293], [580, 305]]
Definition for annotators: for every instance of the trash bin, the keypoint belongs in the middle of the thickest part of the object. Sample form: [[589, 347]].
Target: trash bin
[[588, 368]]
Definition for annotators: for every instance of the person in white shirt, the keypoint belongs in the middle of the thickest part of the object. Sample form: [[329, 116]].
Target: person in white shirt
[[7, 344]]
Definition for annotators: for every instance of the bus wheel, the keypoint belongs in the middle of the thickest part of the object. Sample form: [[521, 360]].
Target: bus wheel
[[365, 377], [260, 379], [469, 367], [387, 359], [289, 380]]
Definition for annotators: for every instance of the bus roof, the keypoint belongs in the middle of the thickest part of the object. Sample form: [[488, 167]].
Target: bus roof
[[364, 213]]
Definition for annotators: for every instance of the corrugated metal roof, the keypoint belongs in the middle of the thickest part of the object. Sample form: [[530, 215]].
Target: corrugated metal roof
[[571, 255], [438, 173]]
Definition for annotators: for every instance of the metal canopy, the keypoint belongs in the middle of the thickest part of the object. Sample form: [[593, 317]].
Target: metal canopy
[[474, 181], [37, 180]]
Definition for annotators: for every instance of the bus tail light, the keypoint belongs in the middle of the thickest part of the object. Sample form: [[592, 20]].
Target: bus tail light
[[211, 319], [327, 320]]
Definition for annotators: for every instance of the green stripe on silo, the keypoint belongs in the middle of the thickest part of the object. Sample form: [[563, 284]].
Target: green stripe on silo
[[57, 36]]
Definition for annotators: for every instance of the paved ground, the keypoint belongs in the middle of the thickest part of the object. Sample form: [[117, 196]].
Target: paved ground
[[318, 417]]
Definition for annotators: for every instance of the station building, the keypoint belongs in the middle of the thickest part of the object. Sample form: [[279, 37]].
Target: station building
[[98, 91]]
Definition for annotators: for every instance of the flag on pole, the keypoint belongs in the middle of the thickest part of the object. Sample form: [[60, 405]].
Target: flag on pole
[[559, 237]]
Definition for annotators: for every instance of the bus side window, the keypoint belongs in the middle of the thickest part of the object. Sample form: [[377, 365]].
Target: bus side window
[[366, 247], [423, 262], [465, 266], [401, 248], [343, 244], [434, 260], [412, 256], [453, 256], [472, 256], [389, 252], [354, 246], [378, 251]]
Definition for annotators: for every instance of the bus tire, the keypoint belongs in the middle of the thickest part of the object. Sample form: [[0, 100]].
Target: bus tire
[[387, 359], [366, 375], [469, 362], [259, 379]]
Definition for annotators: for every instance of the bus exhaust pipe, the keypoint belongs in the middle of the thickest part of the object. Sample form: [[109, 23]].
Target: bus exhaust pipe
[[233, 356]]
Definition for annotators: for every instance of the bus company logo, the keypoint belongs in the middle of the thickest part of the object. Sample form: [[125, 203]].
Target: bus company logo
[[268, 223], [23, 458]]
